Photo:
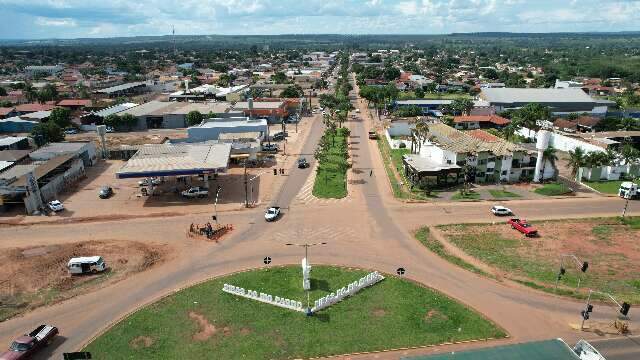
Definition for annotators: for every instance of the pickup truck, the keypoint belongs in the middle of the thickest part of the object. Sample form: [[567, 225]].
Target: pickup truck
[[523, 226], [196, 192], [373, 135], [27, 345]]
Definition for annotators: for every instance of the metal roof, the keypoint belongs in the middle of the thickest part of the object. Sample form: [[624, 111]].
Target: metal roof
[[424, 102], [555, 349], [423, 164], [53, 149], [10, 140], [146, 109], [114, 109], [203, 108], [244, 105], [172, 160], [122, 87], [541, 96], [5, 164]]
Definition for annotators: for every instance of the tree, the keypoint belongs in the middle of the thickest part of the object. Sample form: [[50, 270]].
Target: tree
[[576, 160], [408, 111], [419, 93], [391, 73], [61, 117], [629, 154], [3, 92], [529, 115], [292, 91], [279, 78], [128, 121], [113, 121], [463, 106], [45, 133], [194, 118], [30, 92], [48, 93]]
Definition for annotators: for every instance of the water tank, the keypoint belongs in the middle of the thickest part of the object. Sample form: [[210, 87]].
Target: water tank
[[543, 140]]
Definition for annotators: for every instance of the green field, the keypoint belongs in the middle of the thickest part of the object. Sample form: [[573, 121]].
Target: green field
[[553, 189], [331, 176], [470, 196], [394, 313], [503, 194], [608, 244], [424, 236], [606, 187]]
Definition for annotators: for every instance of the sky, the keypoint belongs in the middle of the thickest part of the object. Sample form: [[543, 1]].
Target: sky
[[43, 19]]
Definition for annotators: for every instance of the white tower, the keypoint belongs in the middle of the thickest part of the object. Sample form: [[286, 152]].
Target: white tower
[[541, 145]]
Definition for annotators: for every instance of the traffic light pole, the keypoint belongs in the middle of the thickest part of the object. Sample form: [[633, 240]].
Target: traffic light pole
[[585, 314], [582, 265]]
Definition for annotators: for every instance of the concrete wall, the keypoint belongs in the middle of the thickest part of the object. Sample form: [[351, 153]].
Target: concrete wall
[[55, 186], [563, 142], [174, 121]]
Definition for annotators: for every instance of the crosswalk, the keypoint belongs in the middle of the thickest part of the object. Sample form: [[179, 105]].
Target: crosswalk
[[316, 234], [305, 196]]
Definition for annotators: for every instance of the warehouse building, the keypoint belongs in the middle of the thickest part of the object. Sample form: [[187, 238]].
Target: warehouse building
[[83, 150], [570, 100], [211, 129]]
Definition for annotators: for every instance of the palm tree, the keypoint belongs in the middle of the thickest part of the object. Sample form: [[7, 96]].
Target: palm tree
[[421, 132], [576, 160], [548, 154]]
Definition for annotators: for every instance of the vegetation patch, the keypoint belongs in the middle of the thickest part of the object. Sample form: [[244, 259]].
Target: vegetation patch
[[605, 187], [392, 314], [332, 155], [553, 189], [466, 196], [503, 194], [423, 235], [608, 244]]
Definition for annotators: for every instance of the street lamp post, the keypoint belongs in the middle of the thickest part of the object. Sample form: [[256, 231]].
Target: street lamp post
[[306, 256], [215, 204]]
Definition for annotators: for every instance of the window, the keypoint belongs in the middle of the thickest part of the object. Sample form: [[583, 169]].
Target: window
[[504, 172], [449, 162], [490, 170], [491, 159]]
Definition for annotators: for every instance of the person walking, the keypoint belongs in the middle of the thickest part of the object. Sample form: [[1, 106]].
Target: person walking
[[370, 172]]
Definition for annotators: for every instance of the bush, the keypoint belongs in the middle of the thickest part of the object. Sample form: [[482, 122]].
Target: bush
[[402, 145]]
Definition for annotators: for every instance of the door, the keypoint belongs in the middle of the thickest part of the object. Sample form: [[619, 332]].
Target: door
[[85, 267]]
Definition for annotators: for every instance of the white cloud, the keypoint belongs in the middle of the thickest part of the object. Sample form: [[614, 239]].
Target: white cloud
[[42, 21]]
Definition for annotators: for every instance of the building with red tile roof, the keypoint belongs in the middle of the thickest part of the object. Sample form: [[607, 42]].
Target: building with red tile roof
[[469, 122], [33, 107]]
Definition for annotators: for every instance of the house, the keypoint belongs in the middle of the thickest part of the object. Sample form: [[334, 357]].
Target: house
[[123, 90], [480, 122], [14, 143], [571, 100], [6, 112], [46, 69], [565, 125], [275, 111], [75, 104], [428, 106], [587, 123], [440, 159], [33, 107]]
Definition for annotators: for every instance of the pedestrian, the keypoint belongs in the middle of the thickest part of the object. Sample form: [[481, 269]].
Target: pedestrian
[[370, 172]]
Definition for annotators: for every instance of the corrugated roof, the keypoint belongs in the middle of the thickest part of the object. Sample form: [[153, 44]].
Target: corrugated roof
[[424, 102], [541, 96], [203, 108], [555, 349], [457, 141], [114, 109], [151, 160], [147, 109], [495, 119], [13, 155], [10, 140], [44, 168], [122, 87]]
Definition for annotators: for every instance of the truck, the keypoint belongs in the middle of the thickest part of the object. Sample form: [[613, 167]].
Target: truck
[[523, 226], [628, 190], [24, 347]]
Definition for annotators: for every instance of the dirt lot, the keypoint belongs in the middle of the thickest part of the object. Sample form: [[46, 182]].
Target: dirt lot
[[34, 276], [610, 246], [114, 140]]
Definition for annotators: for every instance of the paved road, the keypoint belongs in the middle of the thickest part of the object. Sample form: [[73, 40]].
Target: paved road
[[621, 348], [372, 231]]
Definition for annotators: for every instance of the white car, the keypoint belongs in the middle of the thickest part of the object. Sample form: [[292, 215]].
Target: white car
[[109, 129], [499, 210], [196, 192], [272, 213], [55, 205]]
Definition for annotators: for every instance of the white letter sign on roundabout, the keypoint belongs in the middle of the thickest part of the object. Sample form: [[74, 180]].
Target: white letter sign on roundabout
[[322, 303]]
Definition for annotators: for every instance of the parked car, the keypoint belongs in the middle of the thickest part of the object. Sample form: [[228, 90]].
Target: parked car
[[196, 192], [499, 210], [109, 129], [70, 131], [279, 136], [629, 190], [272, 148], [272, 213], [303, 163], [523, 226], [373, 135], [86, 264], [105, 192], [55, 205], [26, 346], [149, 181]]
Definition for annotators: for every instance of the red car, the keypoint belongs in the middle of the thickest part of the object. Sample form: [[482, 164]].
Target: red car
[[523, 226], [24, 347]]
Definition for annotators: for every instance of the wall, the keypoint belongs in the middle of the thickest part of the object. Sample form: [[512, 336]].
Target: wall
[[563, 142], [55, 186], [174, 121]]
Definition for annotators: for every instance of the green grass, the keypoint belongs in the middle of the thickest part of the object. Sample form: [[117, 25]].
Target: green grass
[[394, 313], [503, 194], [436, 247], [553, 189], [470, 196], [331, 176], [606, 187]]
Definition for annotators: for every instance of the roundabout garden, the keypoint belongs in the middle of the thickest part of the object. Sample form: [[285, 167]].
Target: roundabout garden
[[204, 322]]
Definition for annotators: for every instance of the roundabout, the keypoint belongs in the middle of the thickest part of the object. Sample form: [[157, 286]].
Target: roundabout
[[202, 319]]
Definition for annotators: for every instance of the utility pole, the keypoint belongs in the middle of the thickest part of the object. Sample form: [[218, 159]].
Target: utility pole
[[246, 186], [626, 204], [582, 265], [215, 204], [587, 310]]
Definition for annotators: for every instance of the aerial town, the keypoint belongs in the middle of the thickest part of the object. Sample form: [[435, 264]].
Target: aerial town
[[462, 196]]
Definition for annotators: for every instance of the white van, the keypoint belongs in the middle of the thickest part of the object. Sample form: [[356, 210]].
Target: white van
[[88, 264]]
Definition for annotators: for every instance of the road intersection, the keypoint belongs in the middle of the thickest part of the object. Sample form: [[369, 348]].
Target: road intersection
[[371, 231]]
